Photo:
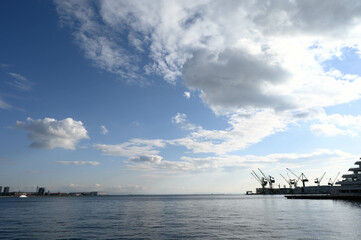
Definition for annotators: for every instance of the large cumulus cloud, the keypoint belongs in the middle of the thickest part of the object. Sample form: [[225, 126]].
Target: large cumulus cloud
[[51, 133], [260, 54]]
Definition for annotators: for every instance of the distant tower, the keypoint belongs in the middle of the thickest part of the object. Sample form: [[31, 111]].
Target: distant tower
[[6, 189], [1, 188], [41, 191]]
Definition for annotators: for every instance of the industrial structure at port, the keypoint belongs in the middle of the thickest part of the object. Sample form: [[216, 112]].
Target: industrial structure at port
[[349, 189], [268, 185]]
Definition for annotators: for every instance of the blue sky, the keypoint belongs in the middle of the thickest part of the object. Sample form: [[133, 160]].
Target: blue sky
[[176, 96]]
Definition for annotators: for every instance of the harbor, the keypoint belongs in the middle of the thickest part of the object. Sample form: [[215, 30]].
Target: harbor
[[349, 188]]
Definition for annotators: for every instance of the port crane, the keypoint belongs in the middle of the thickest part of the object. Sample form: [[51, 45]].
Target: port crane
[[261, 180], [287, 181], [302, 177], [330, 182], [292, 181], [318, 180], [269, 179]]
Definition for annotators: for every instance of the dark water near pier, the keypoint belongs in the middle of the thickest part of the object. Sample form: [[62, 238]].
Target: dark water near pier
[[178, 217]]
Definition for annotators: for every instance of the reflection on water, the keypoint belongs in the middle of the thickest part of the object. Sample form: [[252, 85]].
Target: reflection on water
[[179, 216]]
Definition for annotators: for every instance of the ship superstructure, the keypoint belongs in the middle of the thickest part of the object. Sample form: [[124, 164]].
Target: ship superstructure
[[351, 183]]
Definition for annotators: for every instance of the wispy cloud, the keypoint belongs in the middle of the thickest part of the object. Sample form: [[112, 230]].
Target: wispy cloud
[[4, 105], [336, 124], [135, 123], [325, 158], [79, 163], [181, 120], [103, 130], [20, 82], [132, 148], [246, 128]]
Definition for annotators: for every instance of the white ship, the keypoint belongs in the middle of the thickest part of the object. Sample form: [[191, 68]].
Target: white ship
[[351, 183]]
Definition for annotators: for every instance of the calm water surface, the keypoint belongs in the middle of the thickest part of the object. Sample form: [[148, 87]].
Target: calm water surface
[[178, 217]]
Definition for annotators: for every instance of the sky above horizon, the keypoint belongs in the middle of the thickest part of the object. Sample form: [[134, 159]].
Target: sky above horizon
[[165, 97]]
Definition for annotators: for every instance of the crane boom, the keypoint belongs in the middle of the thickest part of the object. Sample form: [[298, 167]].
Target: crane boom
[[318, 180], [322, 177], [330, 182], [302, 177], [262, 173], [284, 179], [335, 178], [292, 181], [262, 180], [256, 177], [269, 179], [289, 182], [292, 173]]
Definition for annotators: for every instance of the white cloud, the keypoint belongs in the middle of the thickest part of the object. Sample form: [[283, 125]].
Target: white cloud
[[4, 105], [336, 124], [326, 159], [297, 17], [181, 119], [187, 95], [97, 40], [246, 128], [132, 148], [246, 55], [146, 159], [129, 188], [258, 63], [20, 82], [103, 130], [326, 129], [79, 163], [262, 55], [51, 133]]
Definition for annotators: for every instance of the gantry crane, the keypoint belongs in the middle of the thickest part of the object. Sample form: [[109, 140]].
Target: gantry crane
[[261, 180], [330, 182], [318, 180], [292, 181], [270, 179], [287, 181], [302, 177]]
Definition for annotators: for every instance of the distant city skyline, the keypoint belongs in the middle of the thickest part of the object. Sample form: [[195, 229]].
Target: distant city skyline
[[165, 97]]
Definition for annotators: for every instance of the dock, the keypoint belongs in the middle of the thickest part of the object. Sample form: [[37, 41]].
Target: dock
[[323, 196]]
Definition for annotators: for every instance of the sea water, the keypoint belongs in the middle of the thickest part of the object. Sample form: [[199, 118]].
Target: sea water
[[178, 217]]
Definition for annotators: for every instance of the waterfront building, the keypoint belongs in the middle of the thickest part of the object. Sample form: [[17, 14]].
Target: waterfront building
[[41, 191], [6, 190], [1, 188]]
